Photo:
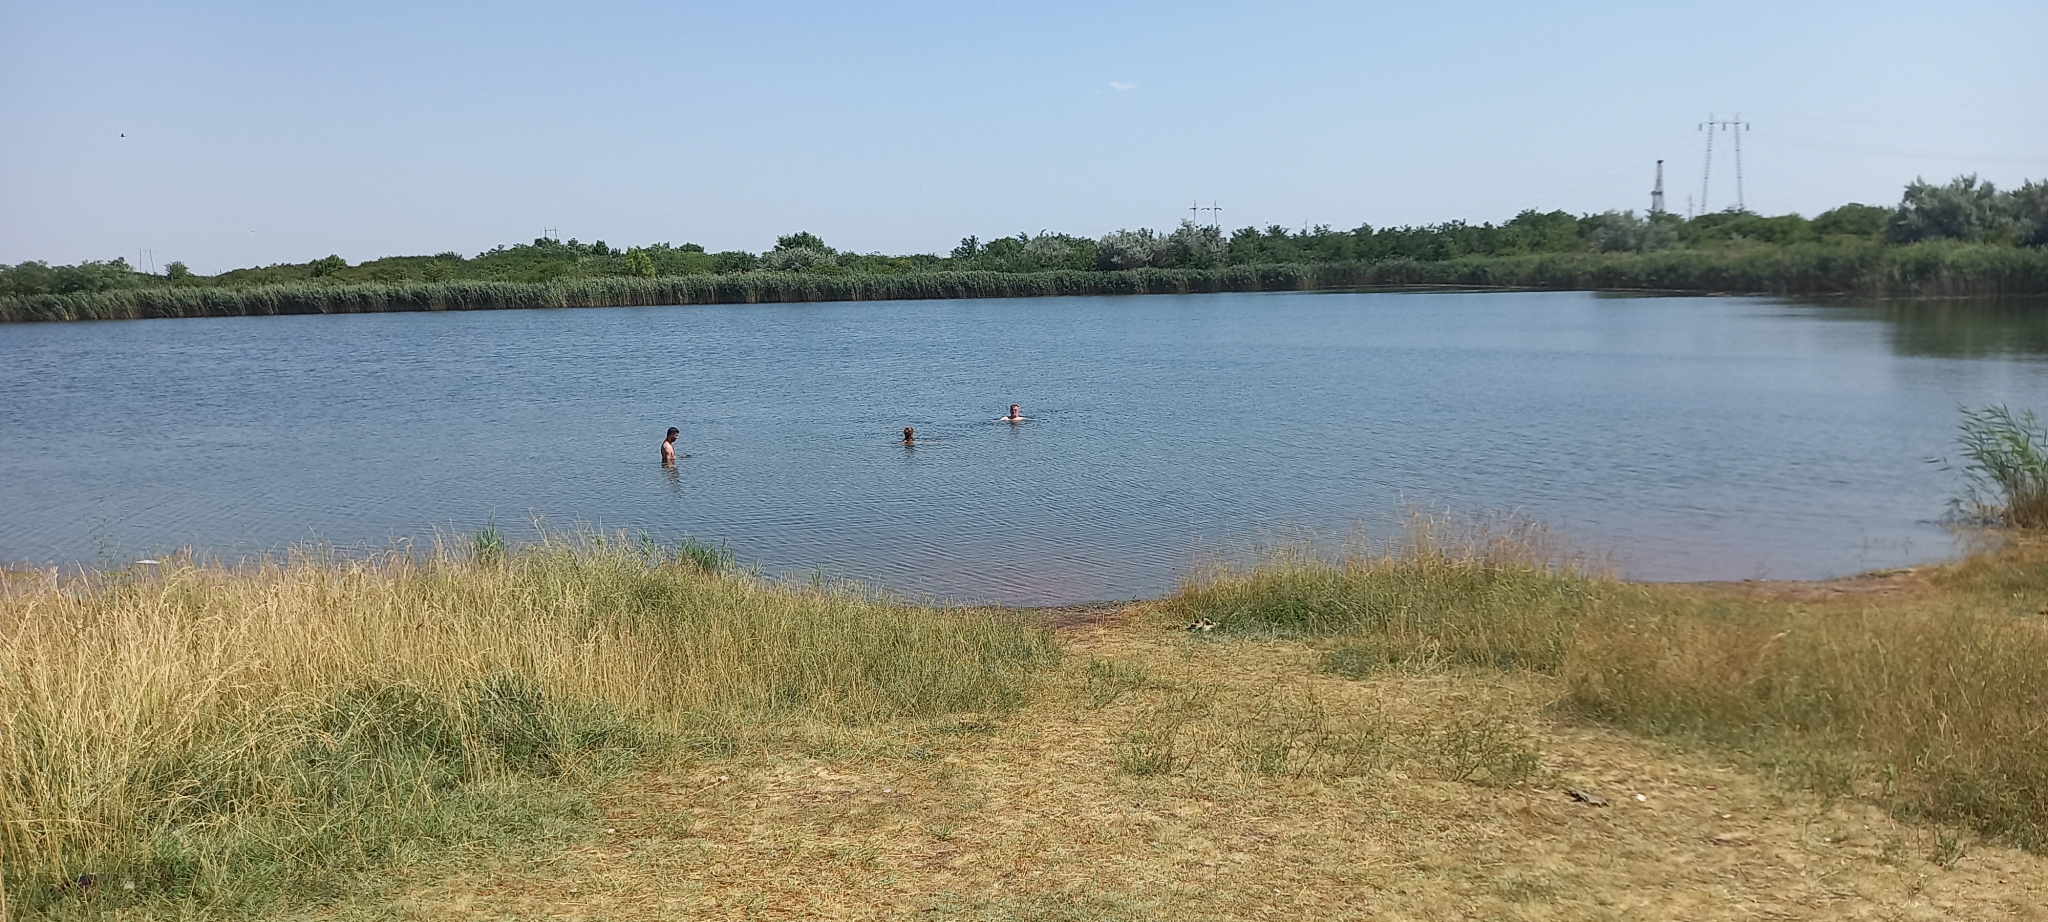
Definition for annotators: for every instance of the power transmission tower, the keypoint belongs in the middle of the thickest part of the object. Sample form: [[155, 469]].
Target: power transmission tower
[[1735, 126], [1740, 205], [1657, 194]]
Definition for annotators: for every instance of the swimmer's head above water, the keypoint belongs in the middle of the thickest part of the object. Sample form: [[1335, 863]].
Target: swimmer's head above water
[[1016, 413], [909, 435]]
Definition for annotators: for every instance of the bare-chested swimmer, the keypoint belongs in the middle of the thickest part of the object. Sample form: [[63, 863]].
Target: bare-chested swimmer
[[909, 435], [1016, 415], [668, 447]]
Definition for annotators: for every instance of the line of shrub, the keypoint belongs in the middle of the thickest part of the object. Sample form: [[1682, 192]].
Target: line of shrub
[[1933, 269]]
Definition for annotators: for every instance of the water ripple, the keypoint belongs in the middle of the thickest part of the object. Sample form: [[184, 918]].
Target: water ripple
[[1698, 437]]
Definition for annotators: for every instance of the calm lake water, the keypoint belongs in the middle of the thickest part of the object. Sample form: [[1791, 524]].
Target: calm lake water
[[1690, 438]]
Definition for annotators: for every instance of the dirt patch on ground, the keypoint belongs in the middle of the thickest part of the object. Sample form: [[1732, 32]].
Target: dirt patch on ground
[[1085, 614], [1877, 584]]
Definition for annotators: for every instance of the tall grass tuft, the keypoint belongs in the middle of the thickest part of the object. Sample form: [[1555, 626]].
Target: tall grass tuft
[[2008, 459], [1486, 593], [196, 728], [487, 546]]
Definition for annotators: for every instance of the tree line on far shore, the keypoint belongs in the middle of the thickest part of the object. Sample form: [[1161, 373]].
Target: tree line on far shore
[[1963, 209]]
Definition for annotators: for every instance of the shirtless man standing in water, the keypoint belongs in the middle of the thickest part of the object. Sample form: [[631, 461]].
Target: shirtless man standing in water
[[668, 447], [1016, 415]]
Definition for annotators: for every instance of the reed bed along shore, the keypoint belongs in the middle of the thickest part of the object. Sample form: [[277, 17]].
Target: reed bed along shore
[[1928, 694], [215, 736], [1920, 270]]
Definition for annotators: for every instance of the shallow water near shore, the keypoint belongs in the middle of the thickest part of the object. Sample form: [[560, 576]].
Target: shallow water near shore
[[1690, 437]]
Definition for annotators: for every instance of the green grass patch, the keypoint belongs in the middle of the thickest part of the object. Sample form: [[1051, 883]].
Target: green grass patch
[[1482, 594]]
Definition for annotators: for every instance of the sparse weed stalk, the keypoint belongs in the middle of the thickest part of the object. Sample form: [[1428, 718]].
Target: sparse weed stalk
[[1948, 849], [1157, 743], [1288, 731], [1109, 680], [1486, 749], [1150, 750]]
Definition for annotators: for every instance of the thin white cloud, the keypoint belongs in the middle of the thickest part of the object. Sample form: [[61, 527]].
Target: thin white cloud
[[1122, 86]]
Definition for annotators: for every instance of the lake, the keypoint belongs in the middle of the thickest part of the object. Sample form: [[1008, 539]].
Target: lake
[[1689, 438]]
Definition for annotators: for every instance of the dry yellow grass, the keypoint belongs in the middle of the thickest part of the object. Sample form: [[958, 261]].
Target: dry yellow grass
[[198, 737], [797, 755], [1032, 819], [1936, 692]]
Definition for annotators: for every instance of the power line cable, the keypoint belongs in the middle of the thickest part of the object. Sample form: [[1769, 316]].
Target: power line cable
[[1853, 148], [1891, 123], [1609, 171]]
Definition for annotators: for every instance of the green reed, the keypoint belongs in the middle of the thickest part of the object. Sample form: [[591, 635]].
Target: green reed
[[1934, 269]]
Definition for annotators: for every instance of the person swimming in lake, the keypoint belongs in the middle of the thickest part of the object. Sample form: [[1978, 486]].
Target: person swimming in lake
[[1016, 414], [909, 436], [668, 447]]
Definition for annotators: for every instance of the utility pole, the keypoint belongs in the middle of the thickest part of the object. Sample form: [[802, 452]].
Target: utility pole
[[1195, 213], [1657, 194], [1736, 126]]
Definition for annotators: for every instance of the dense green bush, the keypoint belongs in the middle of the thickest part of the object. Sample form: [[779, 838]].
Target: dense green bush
[[1842, 251], [1940, 269]]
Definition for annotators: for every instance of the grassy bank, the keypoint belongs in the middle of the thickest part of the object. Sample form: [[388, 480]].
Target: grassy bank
[[1933, 269], [1928, 694], [198, 737], [606, 730]]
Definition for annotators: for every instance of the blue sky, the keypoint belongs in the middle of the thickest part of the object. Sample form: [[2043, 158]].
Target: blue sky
[[274, 132]]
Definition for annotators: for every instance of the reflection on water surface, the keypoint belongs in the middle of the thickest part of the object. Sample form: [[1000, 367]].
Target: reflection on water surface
[[1955, 327]]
